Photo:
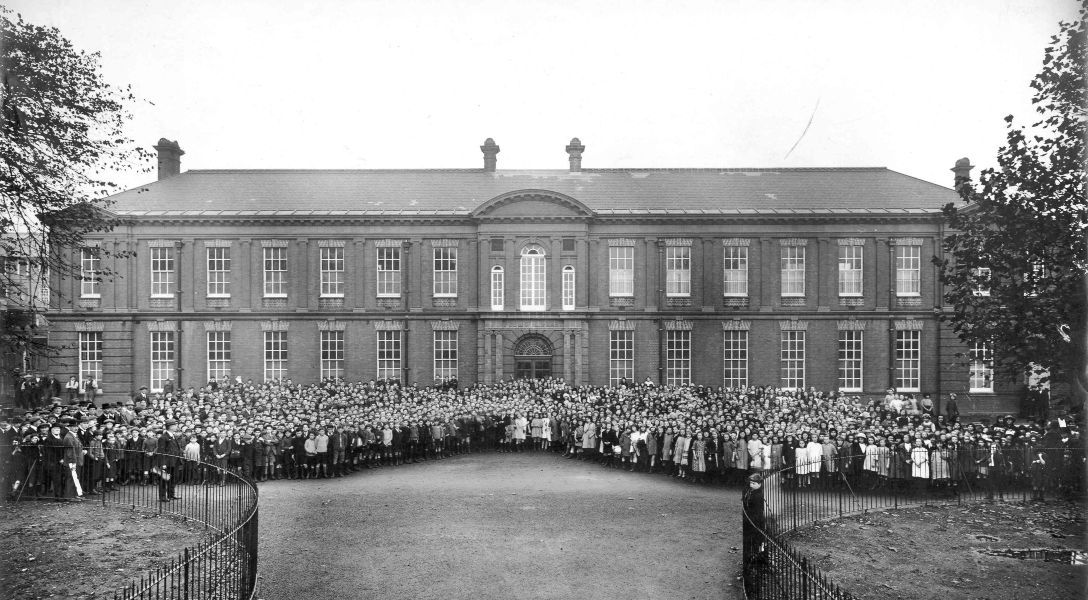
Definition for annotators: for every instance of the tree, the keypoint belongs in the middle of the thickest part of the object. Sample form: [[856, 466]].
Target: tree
[[63, 131], [1016, 262]]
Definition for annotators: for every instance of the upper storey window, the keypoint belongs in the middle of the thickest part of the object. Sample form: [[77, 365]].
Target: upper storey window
[[793, 270], [162, 272], [908, 270], [89, 273], [621, 271], [850, 269], [275, 272], [678, 271], [533, 279], [389, 272], [735, 266]]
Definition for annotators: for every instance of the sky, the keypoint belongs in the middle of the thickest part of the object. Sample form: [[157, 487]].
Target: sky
[[911, 85]]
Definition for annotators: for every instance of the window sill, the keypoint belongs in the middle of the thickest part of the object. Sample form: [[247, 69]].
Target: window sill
[[274, 296], [454, 296], [163, 296], [908, 295], [218, 296], [90, 296], [980, 391], [859, 295], [734, 295], [331, 296]]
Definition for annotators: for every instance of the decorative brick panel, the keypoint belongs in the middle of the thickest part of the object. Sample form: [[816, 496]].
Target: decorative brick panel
[[736, 325], [331, 325], [851, 325], [793, 301], [273, 243], [735, 301], [217, 243], [445, 243], [678, 241], [907, 324], [621, 325], [388, 325], [274, 325], [678, 325], [273, 302], [389, 303], [389, 243], [621, 242], [217, 325], [161, 243], [677, 302], [621, 301], [218, 302], [163, 303], [445, 325], [162, 325], [330, 303], [444, 302], [792, 242], [91, 303], [736, 242], [905, 241], [851, 242], [851, 301], [331, 243], [792, 325], [89, 326], [908, 302]]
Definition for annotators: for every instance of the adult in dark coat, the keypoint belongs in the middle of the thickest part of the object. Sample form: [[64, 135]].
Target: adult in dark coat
[[55, 466], [754, 524], [168, 455]]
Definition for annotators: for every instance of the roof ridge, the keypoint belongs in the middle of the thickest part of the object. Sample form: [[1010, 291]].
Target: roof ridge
[[600, 170]]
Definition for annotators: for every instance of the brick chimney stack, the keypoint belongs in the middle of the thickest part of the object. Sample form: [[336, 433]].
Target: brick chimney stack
[[575, 149], [491, 151], [962, 170], [169, 158]]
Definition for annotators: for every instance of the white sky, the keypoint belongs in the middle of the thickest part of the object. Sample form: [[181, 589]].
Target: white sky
[[911, 85]]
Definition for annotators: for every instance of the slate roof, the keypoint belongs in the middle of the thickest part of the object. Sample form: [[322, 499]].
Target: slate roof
[[605, 191]]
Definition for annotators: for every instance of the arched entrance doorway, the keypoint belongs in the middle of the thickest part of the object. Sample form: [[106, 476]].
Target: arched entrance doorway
[[533, 357]]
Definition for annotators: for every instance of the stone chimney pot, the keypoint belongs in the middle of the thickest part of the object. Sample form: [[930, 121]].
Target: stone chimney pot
[[491, 151], [575, 149], [963, 170], [169, 158]]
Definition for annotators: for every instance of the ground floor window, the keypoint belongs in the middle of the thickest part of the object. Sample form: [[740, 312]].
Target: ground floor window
[[908, 360], [621, 356], [678, 357], [332, 354], [275, 355], [389, 354], [736, 359], [90, 355], [162, 358], [445, 355], [793, 360], [850, 344]]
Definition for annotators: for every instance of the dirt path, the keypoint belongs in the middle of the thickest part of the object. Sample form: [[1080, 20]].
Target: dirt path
[[940, 552], [498, 526], [83, 550]]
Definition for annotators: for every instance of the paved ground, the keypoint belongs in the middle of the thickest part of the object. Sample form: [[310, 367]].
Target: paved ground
[[499, 526]]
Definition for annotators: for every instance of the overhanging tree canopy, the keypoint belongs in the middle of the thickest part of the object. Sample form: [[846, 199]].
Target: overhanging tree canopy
[[1017, 260], [63, 132]]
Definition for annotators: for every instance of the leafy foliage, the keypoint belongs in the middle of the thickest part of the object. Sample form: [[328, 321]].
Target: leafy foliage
[[63, 130], [1026, 222]]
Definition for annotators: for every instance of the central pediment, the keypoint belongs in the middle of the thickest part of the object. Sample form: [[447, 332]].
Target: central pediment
[[533, 205]]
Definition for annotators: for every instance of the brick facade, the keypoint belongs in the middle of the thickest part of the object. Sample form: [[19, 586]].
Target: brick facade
[[495, 233]]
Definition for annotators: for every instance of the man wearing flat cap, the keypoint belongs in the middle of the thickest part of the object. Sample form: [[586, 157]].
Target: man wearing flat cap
[[167, 455]]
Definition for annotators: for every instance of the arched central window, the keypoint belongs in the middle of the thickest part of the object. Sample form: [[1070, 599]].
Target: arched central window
[[533, 278]]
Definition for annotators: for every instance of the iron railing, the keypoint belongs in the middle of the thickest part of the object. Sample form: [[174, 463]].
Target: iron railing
[[223, 566], [811, 491]]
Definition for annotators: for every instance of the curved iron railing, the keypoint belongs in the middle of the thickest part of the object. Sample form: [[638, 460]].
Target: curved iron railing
[[811, 491], [224, 501]]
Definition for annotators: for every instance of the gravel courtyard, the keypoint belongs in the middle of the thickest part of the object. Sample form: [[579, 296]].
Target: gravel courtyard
[[499, 526]]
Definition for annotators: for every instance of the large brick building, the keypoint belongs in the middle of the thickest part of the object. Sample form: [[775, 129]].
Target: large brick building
[[791, 277]]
